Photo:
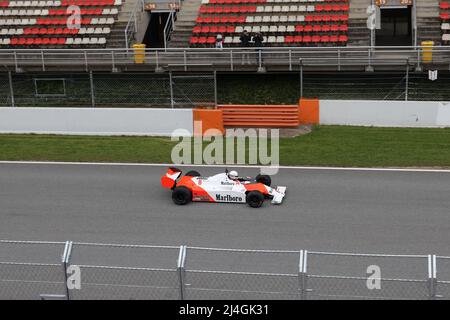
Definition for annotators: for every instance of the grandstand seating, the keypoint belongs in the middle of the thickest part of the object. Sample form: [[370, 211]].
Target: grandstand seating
[[27, 24], [281, 22], [445, 21]]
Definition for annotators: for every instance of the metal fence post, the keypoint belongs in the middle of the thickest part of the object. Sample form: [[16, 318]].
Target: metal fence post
[[43, 60], [418, 67], [16, 64], [171, 89], [65, 262], [301, 77], [302, 275], [432, 280], [215, 88], [91, 80], [86, 61], [231, 60], [181, 271], [290, 60], [11, 89], [407, 79]]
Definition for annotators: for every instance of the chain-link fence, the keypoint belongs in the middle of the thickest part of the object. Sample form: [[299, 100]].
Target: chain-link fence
[[362, 276], [72, 270], [31, 269], [108, 90], [183, 89], [414, 86]]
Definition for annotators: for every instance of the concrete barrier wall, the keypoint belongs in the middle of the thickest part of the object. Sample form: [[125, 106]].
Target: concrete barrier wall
[[385, 113], [96, 121]]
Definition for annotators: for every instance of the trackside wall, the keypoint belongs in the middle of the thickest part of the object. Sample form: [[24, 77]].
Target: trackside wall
[[384, 113], [96, 121]]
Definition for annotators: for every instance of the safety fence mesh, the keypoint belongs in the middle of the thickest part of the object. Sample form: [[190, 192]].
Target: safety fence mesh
[[93, 271]]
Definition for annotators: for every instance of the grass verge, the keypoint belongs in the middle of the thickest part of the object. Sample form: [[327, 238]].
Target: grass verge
[[324, 146]]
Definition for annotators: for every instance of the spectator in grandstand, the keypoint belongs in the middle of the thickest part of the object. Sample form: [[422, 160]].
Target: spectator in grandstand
[[219, 42], [245, 43], [258, 42]]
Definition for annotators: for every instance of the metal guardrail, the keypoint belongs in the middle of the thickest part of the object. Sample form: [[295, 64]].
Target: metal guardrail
[[169, 27], [76, 270], [228, 59], [132, 26]]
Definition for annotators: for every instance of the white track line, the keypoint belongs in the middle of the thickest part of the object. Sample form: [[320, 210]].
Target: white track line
[[221, 166]]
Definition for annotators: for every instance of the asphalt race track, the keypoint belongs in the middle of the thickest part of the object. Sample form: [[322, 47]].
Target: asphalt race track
[[326, 210]]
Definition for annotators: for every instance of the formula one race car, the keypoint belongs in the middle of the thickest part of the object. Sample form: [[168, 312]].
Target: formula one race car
[[222, 187]]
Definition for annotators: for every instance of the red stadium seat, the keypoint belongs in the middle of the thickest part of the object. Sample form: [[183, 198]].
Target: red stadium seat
[[194, 40], [444, 5], [343, 38], [334, 38], [298, 39]]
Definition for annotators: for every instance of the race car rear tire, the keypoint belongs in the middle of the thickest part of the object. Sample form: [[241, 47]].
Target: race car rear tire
[[255, 199], [192, 174], [264, 179], [181, 196]]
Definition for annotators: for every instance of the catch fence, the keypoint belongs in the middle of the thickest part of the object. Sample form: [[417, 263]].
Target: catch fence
[[80, 271]]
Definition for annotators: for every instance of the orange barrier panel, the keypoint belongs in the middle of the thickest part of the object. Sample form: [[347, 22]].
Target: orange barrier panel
[[210, 119], [260, 115], [308, 111]]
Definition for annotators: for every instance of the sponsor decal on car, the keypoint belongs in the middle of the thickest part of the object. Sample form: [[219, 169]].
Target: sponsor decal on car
[[228, 198]]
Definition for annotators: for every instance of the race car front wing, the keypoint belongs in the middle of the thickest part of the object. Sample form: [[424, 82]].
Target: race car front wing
[[278, 194]]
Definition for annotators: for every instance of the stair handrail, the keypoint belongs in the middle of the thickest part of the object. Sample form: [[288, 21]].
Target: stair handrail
[[169, 27], [132, 25]]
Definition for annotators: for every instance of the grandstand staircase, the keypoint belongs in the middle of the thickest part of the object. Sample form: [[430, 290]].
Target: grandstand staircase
[[358, 33], [185, 23], [117, 37], [428, 21]]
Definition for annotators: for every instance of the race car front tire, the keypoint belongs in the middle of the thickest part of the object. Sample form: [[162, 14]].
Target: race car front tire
[[181, 196], [255, 199], [192, 174], [264, 179]]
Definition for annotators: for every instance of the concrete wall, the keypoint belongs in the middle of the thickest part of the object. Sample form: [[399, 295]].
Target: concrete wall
[[95, 121], [385, 113]]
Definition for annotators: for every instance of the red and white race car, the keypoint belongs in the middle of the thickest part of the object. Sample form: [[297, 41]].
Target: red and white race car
[[222, 187]]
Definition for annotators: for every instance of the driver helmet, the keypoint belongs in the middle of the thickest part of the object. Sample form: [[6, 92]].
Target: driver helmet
[[232, 174]]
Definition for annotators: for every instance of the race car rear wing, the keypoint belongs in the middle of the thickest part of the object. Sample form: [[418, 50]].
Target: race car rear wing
[[169, 180]]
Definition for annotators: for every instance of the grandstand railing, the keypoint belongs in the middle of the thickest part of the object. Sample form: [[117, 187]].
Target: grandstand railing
[[228, 59], [169, 27], [77, 270], [132, 26]]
